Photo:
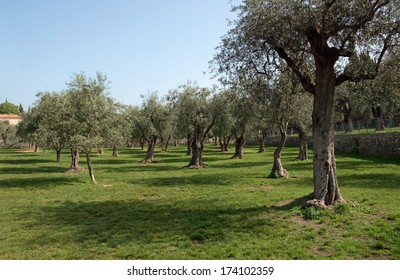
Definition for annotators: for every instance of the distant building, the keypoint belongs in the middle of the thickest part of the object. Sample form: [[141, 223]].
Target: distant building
[[12, 119]]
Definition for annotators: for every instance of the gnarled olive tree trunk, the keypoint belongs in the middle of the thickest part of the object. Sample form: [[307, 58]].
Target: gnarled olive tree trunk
[[74, 167], [150, 151], [90, 168], [197, 148], [115, 151], [239, 145], [303, 145], [58, 154], [277, 170], [224, 143], [326, 187]]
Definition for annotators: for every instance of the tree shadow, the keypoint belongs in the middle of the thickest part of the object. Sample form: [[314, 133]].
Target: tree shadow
[[35, 183], [32, 170], [295, 203], [116, 223]]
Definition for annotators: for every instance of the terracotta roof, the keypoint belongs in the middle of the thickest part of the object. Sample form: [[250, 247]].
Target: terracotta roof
[[10, 116]]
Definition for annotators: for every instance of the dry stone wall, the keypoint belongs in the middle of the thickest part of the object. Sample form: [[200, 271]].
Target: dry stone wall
[[374, 144]]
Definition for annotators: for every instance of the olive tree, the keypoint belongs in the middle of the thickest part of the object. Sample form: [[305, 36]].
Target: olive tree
[[323, 34], [89, 114], [150, 121], [197, 114]]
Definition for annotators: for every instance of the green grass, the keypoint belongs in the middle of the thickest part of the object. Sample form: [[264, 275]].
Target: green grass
[[368, 130], [229, 210]]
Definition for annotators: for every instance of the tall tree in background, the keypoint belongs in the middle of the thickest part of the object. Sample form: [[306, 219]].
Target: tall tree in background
[[9, 108], [325, 34]]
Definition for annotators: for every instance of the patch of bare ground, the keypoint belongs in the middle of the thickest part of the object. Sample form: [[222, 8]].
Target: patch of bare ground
[[305, 223], [316, 250]]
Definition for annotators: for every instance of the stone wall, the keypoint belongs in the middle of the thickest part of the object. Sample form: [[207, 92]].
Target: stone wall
[[375, 144]]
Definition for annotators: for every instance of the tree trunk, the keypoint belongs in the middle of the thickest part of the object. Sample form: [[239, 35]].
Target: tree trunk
[[224, 143], [261, 145], [261, 141], [115, 151], [326, 187], [90, 168], [36, 148], [150, 151], [189, 144], [277, 170], [239, 145], [377, 113], [197, 155], [197, 147], [141, 143], [303, 145], [58, 155], [348, 123], [165, 144], [74, 162]]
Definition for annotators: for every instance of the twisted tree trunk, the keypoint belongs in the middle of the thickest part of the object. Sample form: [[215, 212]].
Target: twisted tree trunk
[[239, 145], [277, 170]]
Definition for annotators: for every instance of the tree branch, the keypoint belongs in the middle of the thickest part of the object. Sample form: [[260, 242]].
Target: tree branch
[[304, 80], [369, 76]]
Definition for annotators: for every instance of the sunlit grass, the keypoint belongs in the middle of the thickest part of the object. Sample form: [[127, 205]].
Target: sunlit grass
[[229, 210]]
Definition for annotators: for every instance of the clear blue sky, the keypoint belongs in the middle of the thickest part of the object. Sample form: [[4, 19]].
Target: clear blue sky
[[142, 45]]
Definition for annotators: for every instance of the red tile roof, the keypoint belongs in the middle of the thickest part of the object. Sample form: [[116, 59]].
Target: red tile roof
[[10, 116]]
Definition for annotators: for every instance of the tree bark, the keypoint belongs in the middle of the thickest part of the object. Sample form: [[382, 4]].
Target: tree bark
[[115, 151], [189, 144], [165, 144], [74, 161], [141, 143], [197, 155], [90, 168], [150, 151], [36, 148], [303, 145], [197, 145], [58, 155], [261, 141], [239, 145], [347, 120], [224, 143], [326, 187], [277, 170]]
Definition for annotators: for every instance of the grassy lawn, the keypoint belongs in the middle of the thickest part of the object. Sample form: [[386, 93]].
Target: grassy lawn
[[229, 210]]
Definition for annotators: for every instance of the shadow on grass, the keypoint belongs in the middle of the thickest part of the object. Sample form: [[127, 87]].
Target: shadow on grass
[[35, 183], [33, 170], [118, 222]]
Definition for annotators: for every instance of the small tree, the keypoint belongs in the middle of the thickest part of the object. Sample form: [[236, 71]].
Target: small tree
[[151, 121], [51, 110], [90, 113], [197, 115]]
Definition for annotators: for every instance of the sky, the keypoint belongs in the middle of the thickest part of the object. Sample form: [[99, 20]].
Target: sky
[[141, 45]]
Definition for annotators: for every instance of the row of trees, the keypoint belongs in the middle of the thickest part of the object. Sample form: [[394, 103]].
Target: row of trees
[[84, 118], [284, 63]]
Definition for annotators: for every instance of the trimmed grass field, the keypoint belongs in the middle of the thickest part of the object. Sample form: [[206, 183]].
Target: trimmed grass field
[[229, 210]]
